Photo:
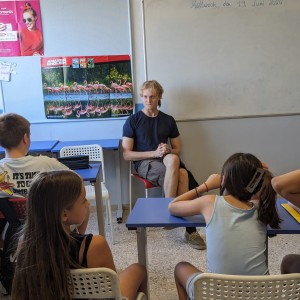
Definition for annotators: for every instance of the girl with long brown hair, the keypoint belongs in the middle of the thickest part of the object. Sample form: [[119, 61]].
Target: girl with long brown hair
[[48, 250], [236, 220]]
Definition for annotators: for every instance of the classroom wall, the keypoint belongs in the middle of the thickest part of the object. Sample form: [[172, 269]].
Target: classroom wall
[[206, 143], [219, 59]]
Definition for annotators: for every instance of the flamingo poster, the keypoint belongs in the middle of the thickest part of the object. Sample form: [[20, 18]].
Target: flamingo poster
[[20, 28], [87, 87]]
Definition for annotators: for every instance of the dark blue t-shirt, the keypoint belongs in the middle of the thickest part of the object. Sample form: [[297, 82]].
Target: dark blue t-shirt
[[149, 132]]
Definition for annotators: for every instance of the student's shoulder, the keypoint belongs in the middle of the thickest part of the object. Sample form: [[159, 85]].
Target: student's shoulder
[[139, 114], [165, 116], [98, 243], [134, 119], [15, 161], [50, 162]]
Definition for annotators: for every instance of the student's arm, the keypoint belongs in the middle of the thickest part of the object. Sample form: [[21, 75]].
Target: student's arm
[[181, 206], [99, 254], [175, 145], [129, 154], [288, 186]]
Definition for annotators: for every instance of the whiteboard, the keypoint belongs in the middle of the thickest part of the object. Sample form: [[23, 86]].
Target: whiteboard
[[224, 59], [70, 28]]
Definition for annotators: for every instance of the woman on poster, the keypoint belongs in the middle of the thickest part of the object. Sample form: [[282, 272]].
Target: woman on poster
[[31, 38]]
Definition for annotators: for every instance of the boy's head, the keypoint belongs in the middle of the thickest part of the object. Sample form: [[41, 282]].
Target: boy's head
[[13, 127], [155, 87]]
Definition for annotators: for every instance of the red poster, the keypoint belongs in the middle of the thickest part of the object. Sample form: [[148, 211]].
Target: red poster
[[21, 28]]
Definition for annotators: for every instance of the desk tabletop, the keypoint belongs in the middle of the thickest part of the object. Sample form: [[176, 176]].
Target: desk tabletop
[[91, 173], [288, 224], [153, 212], [39, 146], [106, 144]]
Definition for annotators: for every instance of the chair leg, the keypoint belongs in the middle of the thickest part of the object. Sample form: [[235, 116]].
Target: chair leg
[[130, 188], [146, 192], [109, 216], [107, 212]]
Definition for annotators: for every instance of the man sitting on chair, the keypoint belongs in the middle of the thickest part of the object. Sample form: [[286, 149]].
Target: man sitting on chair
[[146, 135]]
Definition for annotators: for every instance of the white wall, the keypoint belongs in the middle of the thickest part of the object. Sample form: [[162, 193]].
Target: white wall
[[206, 144]]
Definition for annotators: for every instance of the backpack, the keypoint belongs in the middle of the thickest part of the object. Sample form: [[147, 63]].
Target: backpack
[[8, 256]]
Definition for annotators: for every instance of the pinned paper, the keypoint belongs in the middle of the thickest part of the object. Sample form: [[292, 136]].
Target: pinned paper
[[4, 71], [7, 68]]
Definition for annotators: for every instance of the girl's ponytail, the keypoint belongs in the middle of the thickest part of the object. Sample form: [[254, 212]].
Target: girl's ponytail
[[267, 212]]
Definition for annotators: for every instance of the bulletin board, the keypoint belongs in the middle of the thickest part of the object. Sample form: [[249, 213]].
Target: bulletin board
[[70, 28]]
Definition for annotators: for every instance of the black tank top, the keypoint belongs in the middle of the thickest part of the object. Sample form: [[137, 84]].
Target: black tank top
[[76, 244]]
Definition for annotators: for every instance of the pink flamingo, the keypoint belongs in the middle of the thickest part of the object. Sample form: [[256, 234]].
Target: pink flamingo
[[48, 88], [115, 87], [124, 86], [101, 86], [128, 83], [81, 112], [92, 111], [66, 112], [77, 87], [77, 106], [64, 88], [56, 89], [50, 108]]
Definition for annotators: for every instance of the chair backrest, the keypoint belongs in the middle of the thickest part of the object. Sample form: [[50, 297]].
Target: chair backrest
[[209, 286], [94, 151], [19, 205], [96, 283]]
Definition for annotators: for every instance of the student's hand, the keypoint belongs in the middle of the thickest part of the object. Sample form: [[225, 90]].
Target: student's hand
[[213, 181], [161, 150], [165, 148], [264, 165]]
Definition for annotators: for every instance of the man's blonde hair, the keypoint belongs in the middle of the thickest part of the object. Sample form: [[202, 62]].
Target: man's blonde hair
[[154, 85]]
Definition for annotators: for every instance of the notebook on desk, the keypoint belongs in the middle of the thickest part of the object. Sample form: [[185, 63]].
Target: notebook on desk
[[295, 214]]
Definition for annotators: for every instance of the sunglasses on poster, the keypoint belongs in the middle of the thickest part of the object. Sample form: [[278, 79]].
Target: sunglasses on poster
[[29, 20]]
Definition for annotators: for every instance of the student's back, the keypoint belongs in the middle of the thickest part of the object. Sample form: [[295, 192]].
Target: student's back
[[236, 227], [228, 225], [19, 172], [17, 169]]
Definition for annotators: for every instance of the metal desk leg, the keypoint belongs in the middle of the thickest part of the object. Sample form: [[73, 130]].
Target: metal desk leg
[[118, 184], [99, 206], [141, 235], [267, 251]]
